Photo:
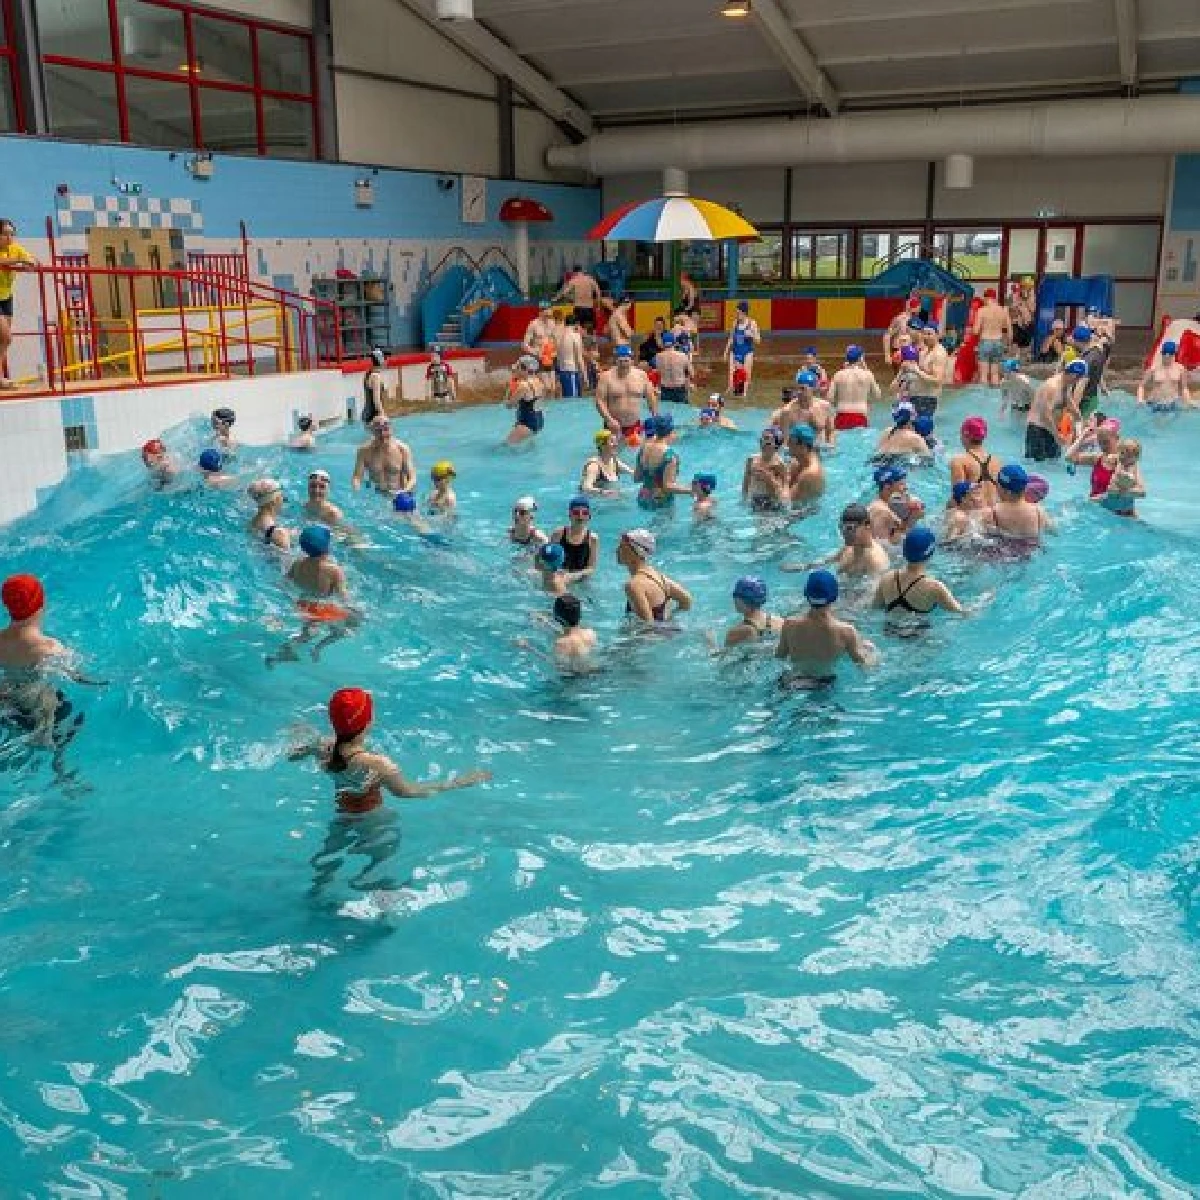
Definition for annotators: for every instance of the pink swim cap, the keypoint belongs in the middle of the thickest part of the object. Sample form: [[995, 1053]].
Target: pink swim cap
[[974, 429], [1037, 489], [1112, 425]]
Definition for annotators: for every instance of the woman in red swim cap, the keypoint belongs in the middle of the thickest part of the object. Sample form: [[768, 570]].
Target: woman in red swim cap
[[23, 644], [360, 776]]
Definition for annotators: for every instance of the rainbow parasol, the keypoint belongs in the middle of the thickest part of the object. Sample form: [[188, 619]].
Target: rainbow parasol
[[673, 219]]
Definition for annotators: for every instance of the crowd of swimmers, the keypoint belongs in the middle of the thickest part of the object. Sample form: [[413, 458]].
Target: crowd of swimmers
[[642, 401]]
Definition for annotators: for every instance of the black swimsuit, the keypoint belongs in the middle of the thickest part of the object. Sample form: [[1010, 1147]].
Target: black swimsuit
[[658, 611], [576, 555], [901, 600], [984, 465]]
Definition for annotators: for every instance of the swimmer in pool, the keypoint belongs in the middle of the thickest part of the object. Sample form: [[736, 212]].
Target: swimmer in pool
[[975, 464], [525, 389], [765, 478], [620, 395], [212, 471], [601, 474], [523, 532], [806, 473], [861, 556], [323, 602], [964, 513], [222, 421], [404, 506], [442, 501], [713, 415], [1164, 387], [852, 391], [902, 441], [657, 469], [548, 563], [264, 526], [756, 624], [318, 506], [159, 464], [1012, 518], [1016, 388], [581, 547], [704, 503], [887, 524], [1125, 485], [911, 593], [306, 438], [385, 460], [650, 596], [575, 646], [813, 643], [797, 406]]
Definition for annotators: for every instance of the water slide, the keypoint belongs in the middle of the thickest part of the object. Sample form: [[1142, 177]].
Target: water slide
[[1185, 335]]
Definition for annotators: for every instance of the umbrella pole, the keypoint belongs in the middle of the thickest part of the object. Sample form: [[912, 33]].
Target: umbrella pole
[[674, 269]]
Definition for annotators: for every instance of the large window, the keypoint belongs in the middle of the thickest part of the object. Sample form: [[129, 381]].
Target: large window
[[821, 254], [878, 249], [703, 261], [761, 261], [975, 252], [166, 73], [10, 111]]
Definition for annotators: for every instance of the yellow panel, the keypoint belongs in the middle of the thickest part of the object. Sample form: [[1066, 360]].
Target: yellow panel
[[644, 312], [840, 313], [760, 311]]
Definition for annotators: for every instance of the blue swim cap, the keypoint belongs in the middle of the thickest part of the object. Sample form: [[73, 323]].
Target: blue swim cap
[[211, 460], [552, 555], [405, 502], [924, 425], [854, 354], [711, 413], [1011, 364], [889, 473], [910, 354], [1168, 348], [743, 306], [821, 588], [915, 325], [579, 502], [650, 426], [1013, 478], [665, 424], [668, 338], [804, 433], [622, 352], [775, 434], [705, 480], [751, 590], [811, 350], [315, 540], [1081, 333], [807, 378], [962, 489], [919, 544], [903, 413], [1077, 367]]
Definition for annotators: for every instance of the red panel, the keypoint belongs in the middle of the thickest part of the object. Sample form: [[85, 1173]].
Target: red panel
[[794, 312], [881, 309], [360, 366], [508, 323]]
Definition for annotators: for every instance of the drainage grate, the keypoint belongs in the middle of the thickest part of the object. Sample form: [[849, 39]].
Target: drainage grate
[[76, 437]]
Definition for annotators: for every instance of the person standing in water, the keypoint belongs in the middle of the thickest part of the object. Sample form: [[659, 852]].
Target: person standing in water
[[765, 478], [1013, 518], [742, 343], [812, 644], [975, 464], [650, 595], [268, 495], [657, 470], [750, 601], [993, 328], [851, 392], [375, 390], [318, 506], [911, 592], [160, 465], [581, 547], [523, 531], [620, 394], [323, 601], [1164, 386], [385, 460], [601, 474]]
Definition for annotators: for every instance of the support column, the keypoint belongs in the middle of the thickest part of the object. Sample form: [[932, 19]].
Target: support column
[[326, 78], [31, 84], [508, 132]]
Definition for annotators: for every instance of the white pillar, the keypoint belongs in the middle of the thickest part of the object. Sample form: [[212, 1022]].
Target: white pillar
[[675, 182], [521, 253]]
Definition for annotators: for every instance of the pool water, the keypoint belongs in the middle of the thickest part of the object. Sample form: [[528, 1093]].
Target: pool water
[[932, 934]]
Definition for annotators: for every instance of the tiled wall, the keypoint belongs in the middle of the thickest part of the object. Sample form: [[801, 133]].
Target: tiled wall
[[301, 217], [34, 454]]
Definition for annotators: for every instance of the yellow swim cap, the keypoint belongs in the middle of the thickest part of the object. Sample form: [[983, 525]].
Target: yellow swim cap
[[1027, 279], [1070, 355], [443, 469], [602, 436]]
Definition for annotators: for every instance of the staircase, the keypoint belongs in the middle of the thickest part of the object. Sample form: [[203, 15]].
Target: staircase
[[449, 336], [462, 295]]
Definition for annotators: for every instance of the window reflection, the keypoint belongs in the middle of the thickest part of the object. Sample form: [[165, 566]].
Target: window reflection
[[82, 103], [288, 128]]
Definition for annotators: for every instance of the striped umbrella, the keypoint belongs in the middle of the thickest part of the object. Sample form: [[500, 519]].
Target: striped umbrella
[[673, 219]]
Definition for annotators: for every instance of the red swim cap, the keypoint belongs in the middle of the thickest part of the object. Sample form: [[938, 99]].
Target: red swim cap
[[974, 429], [350, 711], [23, 596], [153, 446], [990, 294]]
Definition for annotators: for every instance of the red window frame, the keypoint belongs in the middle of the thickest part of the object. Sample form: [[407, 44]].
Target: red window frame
[[195, 81], [8, 54]]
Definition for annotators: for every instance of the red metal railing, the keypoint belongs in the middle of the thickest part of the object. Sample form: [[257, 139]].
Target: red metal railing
[[161, 324]]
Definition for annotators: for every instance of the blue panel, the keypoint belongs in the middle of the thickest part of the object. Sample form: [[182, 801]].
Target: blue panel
[[1185, 202]]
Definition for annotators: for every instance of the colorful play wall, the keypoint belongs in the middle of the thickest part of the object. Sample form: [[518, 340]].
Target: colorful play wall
[[302, 217]]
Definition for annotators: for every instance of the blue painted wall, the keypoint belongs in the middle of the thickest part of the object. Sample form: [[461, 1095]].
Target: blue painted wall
[[276, 198]]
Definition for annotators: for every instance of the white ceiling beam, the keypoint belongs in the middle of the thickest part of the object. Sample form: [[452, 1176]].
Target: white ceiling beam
[[499, 57], [1127, 40], [777, 31]]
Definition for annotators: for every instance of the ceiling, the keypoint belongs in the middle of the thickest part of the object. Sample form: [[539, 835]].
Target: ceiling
[[631, 61]]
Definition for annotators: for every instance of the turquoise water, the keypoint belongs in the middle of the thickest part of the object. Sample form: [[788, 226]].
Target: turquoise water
[[933, 934]]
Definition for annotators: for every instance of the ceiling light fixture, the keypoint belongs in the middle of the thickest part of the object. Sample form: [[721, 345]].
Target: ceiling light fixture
[[735, 8]]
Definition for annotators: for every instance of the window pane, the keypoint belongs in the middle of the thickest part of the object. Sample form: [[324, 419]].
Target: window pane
[[75, 29], [1022, 251], [227, 121], [761, 260], [160, 113], [151, 37], [832, 256], [283, 62], [1120, 250], [977, 251], [83, 104], [222, 50], [1134, 303], [639, 259], [877, 251], [703, 261], [802, 252], [288, 128], [8, 108]]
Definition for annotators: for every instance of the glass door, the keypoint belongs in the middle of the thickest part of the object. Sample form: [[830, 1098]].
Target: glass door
[[1059, 249]]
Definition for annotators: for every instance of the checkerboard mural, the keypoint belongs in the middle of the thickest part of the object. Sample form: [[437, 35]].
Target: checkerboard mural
[[77, 214]]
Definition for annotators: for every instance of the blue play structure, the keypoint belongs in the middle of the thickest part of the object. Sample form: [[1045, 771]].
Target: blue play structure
[[611, 277], [1061, 292], [460, 302], [924, 276]]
